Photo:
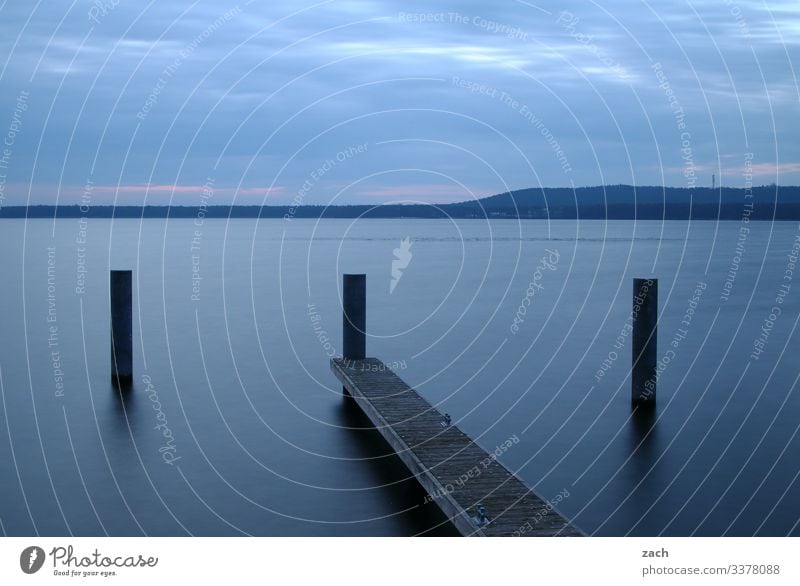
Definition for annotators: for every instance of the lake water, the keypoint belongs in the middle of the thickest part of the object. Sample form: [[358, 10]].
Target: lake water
[[235, 424]]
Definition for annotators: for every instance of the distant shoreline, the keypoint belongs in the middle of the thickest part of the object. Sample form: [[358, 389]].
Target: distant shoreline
[[610, 202], [236, 216]]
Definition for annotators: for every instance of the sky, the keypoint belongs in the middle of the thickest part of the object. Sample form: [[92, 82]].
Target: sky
[[347, 101]]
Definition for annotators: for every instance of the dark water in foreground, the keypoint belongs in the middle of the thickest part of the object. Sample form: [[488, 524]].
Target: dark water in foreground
[[232, 385]]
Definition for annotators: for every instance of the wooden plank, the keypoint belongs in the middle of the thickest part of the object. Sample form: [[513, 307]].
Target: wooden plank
[[453, 469]]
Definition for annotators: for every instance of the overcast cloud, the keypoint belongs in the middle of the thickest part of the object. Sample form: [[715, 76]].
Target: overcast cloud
[[373, 101]]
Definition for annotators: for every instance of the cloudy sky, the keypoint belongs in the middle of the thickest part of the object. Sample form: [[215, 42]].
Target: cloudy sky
[[349, 101]]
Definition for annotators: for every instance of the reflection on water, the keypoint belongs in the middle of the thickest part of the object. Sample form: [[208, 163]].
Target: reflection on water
[[388, 471]]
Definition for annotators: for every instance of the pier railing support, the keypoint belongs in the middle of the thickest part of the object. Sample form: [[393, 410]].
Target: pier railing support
[[121, 327], [645, 343]]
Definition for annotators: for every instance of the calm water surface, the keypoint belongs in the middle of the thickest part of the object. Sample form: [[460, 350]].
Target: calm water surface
[[235, 425]]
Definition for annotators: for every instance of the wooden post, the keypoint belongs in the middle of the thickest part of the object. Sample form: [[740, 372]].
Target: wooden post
[[121, 326], [645, 342], [354, 322]]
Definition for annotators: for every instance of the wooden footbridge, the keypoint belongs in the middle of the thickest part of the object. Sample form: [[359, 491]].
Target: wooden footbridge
[[473, 489], [476, 492]]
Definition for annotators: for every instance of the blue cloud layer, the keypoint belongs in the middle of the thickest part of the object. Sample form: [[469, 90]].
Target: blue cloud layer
[[452, 100]]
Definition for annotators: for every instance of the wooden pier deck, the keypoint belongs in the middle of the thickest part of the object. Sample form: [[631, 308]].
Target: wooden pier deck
[[456, 472]]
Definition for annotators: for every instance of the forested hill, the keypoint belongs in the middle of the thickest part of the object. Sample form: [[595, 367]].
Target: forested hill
[[629, 202], [610, 201]]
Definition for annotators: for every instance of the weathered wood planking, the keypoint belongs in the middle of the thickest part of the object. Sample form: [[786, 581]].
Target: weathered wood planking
[[441, 458]]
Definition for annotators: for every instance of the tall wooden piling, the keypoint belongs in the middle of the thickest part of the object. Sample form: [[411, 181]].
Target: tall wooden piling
[[354, 323], [644, 353], [121, 326]]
